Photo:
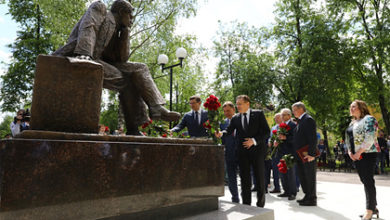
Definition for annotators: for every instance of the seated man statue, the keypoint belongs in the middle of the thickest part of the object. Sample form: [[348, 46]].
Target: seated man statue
[[103, 36]]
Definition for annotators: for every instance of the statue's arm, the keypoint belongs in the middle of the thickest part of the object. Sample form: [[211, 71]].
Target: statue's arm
[[88, 28], [124, 45]]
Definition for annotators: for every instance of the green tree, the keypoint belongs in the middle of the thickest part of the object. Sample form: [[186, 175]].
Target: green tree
[[291, 16], [244, 66], [61, 17], [313, 63], [326, 67], [5, 126], [368, 28], [32, 39]]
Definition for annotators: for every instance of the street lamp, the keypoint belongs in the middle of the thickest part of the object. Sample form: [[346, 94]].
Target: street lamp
[[162, 59]]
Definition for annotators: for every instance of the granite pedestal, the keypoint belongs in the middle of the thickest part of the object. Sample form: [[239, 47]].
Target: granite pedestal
[[55, 175], [66, 95]]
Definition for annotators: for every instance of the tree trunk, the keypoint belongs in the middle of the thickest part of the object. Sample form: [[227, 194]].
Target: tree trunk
[[385, 112], [326, 143]]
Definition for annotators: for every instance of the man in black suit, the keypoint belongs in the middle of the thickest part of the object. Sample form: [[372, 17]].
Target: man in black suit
[[287, 147], [252, 132], [193, 119], [305, 135]]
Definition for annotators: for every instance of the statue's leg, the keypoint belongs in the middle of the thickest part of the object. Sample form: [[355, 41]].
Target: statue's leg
[[141, 79], [133, 106], [134, 109]]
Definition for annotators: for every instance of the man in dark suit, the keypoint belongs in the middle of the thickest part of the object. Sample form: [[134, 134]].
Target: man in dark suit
[[252, 132], [305, 135], [193, 119], [287, 147], [231, 159]]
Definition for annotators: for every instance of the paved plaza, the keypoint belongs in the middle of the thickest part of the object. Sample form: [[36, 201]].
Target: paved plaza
[[340, 197]]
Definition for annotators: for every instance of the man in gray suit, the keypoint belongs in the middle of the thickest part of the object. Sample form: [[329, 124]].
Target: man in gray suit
[[103, 36]]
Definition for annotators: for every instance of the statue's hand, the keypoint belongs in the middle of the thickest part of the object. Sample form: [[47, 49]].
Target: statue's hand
[[123, 32], [83, 57]]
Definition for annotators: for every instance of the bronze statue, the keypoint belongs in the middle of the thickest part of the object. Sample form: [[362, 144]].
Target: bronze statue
[[103, 36]]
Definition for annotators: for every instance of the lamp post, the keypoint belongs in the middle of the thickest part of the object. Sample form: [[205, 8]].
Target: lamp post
[[162, 59]]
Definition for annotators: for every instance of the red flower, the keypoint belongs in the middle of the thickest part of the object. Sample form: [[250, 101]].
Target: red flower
[[282, 166], [146, 124], [361, 157], [207, 125], [164, 135], [106, 129], [212, 103], [274, 131], [284, 126], [144, 133]]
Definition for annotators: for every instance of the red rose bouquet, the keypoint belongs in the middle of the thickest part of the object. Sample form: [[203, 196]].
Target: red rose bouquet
[[276, 141], [153, 129], [212, 105], [287, 162], [282, 166]]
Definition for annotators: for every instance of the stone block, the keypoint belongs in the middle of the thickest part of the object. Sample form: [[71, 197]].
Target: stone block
[[87, 179], [66, 95]]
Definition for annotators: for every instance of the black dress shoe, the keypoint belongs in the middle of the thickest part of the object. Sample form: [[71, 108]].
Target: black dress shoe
[[283, 195], [275, 191], [308, 203], [292, 197], [254, 189], [301, 200]]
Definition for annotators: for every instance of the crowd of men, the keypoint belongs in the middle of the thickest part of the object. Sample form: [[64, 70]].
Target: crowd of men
[[246, 137]]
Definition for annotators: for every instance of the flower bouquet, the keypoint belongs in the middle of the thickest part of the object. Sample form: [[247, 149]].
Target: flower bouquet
[[286, 163], [275, 140], [212, 105], [154, 129]]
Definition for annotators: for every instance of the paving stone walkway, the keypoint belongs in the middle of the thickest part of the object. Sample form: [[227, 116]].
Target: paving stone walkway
[[340, 197]]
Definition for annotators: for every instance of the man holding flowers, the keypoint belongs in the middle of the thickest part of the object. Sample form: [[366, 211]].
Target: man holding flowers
[[286, 147], [275, 159]]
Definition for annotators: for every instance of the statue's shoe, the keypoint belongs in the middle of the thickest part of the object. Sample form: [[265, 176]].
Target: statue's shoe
[[159, 112]]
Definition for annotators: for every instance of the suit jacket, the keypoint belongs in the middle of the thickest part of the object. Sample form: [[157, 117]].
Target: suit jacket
[[305, 134], [230, 142], [287, 147], [194, 129], [258, 128]]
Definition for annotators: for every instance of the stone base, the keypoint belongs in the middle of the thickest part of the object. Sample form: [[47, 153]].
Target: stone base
[[235, 211], [86, 179], [66, 95]]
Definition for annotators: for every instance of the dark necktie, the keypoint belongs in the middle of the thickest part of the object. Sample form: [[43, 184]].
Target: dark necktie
[[196, 118], [245, 122]]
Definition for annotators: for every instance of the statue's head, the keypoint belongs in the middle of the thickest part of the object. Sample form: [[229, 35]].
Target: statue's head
[[123, 11]]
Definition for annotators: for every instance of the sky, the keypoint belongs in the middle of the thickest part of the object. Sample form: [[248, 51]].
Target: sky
[[204, 25]]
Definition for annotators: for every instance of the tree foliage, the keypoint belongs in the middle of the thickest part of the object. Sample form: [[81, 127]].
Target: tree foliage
[[368, 25], [244, 67], [5, 126], [32, 39]]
